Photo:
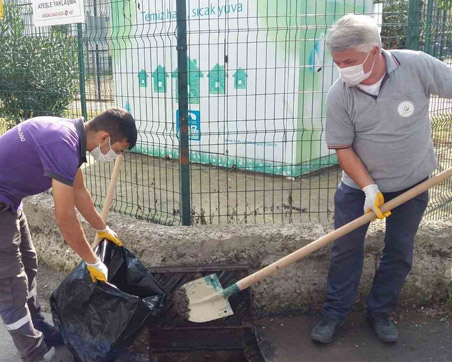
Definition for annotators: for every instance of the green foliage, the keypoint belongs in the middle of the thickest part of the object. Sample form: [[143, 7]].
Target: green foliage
[[445, 4], [395, 20], [38, 74]]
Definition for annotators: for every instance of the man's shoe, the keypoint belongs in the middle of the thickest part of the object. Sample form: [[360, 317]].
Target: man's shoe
[[49, 355], [384, 327], [51, 336], [45, 355], [324, 331]]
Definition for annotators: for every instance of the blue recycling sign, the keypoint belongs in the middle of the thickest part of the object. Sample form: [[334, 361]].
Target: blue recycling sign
[[194, 125]]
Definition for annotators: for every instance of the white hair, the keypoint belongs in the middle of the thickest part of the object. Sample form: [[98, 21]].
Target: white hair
[[359, 32]]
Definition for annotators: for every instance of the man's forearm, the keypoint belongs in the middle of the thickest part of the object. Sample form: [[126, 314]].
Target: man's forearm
[[354, 167], [75, 237], [85, 205]]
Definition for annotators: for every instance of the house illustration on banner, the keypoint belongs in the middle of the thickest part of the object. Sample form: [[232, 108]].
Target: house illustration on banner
[[240, 79], [159, 79], [143, 78], [194, 76], [217, 77]]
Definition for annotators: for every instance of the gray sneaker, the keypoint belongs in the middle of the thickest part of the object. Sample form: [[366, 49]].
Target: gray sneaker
[[325, 330], [384, 327]]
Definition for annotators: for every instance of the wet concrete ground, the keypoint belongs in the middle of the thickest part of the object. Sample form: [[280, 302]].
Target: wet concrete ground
[[422, 339], [286, 339]]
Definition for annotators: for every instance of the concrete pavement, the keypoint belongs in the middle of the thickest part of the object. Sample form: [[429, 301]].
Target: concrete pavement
[[422, 339]]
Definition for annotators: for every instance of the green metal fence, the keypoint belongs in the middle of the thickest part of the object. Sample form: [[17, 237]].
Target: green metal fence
[[229, 98], [430, 30]]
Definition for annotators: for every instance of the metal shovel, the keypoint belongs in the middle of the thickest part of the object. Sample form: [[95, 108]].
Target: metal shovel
[[204, 299]]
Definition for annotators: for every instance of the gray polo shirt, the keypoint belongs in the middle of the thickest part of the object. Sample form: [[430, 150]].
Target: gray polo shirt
[[390, 132]]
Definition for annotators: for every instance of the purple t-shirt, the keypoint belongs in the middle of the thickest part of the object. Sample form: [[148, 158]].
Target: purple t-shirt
[[36, 151]]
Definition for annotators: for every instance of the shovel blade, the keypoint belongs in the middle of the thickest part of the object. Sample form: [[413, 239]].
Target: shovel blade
[[206, 300]]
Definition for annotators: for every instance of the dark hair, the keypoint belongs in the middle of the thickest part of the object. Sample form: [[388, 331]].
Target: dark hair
[[118, 123]]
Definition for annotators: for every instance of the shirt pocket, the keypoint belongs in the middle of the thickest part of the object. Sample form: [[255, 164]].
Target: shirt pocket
[[409, 106], [409, 111]]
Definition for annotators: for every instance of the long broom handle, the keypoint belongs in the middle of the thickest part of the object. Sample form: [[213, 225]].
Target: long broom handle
[[327, 239], [110, 193]]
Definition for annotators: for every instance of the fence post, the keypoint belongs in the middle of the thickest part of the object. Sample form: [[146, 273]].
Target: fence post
[[96, 39], [428, 29], [414, 29], [443, 35], [81, 66], [184, 162]]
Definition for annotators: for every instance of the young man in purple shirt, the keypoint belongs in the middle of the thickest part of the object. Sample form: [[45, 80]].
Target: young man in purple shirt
[[36, 155]]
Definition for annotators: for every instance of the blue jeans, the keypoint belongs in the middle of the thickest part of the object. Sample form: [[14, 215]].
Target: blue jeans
[[347, 254]]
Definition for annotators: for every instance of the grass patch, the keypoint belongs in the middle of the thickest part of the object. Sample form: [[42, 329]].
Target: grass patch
[[442, 128], [5, 125], [3, 128], [443, 310]]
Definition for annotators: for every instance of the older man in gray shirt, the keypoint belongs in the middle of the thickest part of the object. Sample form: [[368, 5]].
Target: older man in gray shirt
[[378, 123]]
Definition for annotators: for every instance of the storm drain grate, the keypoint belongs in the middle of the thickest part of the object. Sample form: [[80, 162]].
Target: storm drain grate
[[229, 339]]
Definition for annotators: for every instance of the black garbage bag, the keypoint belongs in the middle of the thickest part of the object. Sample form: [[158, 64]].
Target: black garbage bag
[[98, 319]]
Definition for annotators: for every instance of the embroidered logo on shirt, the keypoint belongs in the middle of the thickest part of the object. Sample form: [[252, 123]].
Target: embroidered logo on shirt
[[405, 109]]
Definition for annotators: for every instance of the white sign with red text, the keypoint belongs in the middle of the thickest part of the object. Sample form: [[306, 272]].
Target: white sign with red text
[[57, 12]]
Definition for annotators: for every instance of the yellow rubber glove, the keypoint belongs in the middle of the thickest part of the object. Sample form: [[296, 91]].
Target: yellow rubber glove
[[98, 271], [374, 200], [110, 235]]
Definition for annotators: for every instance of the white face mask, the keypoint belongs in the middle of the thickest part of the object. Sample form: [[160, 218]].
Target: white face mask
[[101, 157], [355, 74]]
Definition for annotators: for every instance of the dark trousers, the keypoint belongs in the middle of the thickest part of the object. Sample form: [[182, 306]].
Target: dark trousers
[[347, 254], [19, 306]]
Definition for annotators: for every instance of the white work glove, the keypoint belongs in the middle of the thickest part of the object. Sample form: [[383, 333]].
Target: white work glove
[[98, 271], [374, 200], [110, 235]]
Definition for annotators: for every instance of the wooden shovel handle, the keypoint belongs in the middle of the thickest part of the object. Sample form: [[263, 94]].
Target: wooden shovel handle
[[110, 193], [353, 225]]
